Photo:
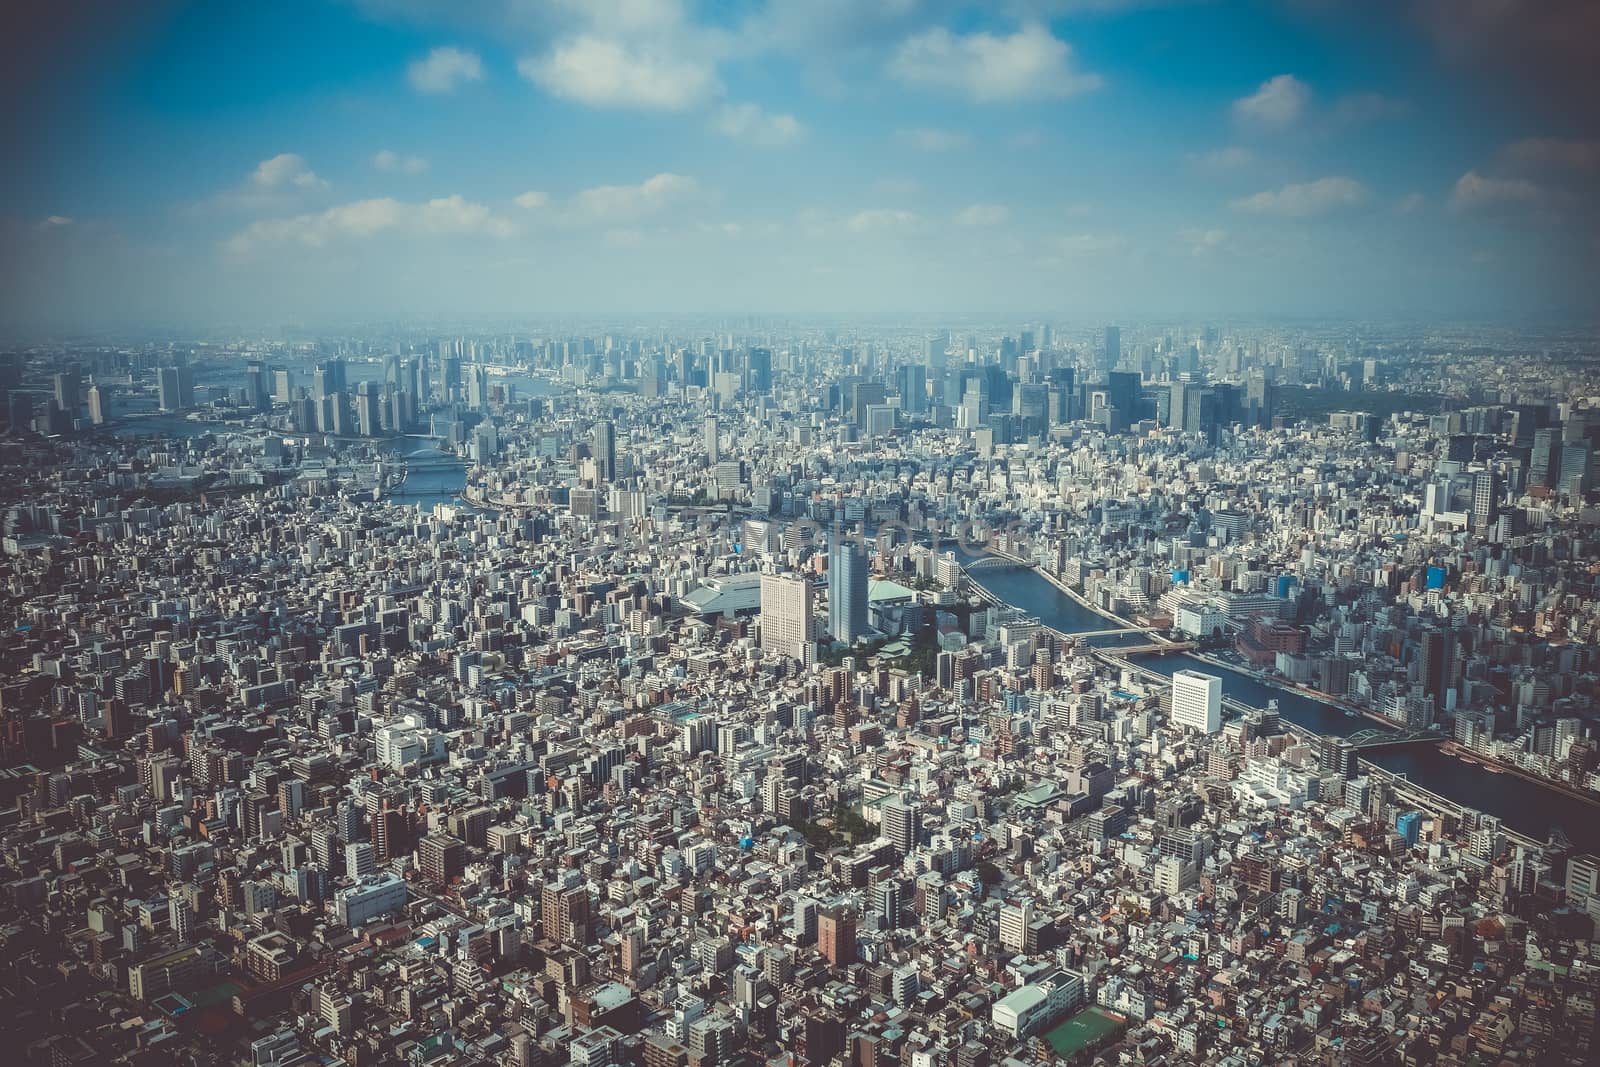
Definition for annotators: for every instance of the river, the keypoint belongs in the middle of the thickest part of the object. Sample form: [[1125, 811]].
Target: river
[[1522, 805], [435, 477]]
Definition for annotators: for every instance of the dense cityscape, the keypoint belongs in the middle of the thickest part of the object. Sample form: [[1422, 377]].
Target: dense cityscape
[[800, 533], [786, 693]]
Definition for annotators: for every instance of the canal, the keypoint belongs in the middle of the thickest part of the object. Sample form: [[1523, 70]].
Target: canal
[[1522, 805]]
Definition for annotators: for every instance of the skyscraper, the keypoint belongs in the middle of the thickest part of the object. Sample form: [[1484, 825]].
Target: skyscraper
[[167, 388], [605, 450], [1197, 701], [68, 391], [99, 409], [836, 937], [1113, 353], [1574, 469], [760, 369], [713, 450], [1122, 393], [786, 604], [902, 825], [367, 401], [847, 591], [257, 393], [1485, 498], [1544, 465], [913, 388]]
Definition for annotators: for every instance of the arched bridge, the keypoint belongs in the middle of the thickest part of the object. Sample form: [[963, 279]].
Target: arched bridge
[[991, 562]]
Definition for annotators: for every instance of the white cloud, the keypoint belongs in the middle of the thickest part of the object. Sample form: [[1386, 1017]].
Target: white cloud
[[1277, 104], [1411, 203], [57, 220], [368, 218], [927, 139], [393, 162], [285, 170], [442, 69], [1203, 242], [749, 123], [1473, 190], [880, 220], [1229, 160], [984, 215], [1555, 153], [531, 200], [1030, 63], [455, 214], [1306, 199], [603, 72], [613, 204]]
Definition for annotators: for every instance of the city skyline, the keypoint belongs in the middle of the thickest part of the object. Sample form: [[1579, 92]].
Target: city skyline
[[197, 165]]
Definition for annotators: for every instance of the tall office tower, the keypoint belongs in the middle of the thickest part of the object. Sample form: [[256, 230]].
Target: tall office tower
[[396, 409], [1433, 662], [257, 397], [933, 353], [19, 410], [605, 450], [1260, 399], [1197, 701], [786, 603], [413, 378], [477, 387], [367, 403], [186, 386], [1122, 393], [836, 937], [1485, 499], [902, 825], [1544, 465], [167, 388], [713, 449], [450, 378], [303, 414], [1574, 469], [862, 396], [913, 388], [1031, 403], [847, 592], [974, 403], [99, 407], [282, 385], [1113, 351], [760, 368], [68, 391]]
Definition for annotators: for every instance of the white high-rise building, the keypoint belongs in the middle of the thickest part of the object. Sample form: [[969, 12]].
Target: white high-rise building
[[786, 606], [1197, 701]]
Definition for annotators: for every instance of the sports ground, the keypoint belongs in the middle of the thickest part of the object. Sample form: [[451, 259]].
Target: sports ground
[[1083, 1030]]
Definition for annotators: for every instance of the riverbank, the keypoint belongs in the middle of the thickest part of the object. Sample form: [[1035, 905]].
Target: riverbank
[[1500, 766], [1530, 805]]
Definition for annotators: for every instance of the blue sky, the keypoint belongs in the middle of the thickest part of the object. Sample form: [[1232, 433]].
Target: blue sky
[[314, 159]]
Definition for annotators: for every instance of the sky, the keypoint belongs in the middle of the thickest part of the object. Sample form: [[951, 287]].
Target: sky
[[341, 160]]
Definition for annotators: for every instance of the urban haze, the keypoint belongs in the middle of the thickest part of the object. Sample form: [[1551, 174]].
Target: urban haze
[[800, 533]]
